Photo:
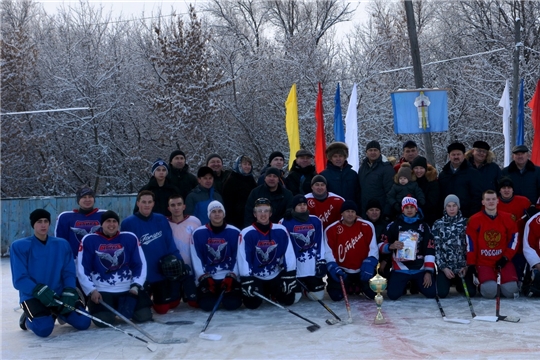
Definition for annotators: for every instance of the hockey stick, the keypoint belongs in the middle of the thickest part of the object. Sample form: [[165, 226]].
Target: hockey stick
[[151, 347], [312, 297], [311, 328], [141, 330], [498, 302], [173, 322], [349, 320], [458, 321], [475, 317], [214, 337]]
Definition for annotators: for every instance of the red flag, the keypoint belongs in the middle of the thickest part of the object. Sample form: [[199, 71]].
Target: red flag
[[320, 138], [534, 104]]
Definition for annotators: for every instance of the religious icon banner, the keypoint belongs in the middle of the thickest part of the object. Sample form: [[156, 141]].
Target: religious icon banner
[[420, 111]]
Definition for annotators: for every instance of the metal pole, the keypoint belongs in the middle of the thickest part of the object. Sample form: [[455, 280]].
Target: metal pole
[[417, 68], [515, 81]]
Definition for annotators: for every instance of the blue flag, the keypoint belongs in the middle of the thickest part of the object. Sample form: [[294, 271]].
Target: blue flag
[[418, 112], [339, 133], [520, 117]]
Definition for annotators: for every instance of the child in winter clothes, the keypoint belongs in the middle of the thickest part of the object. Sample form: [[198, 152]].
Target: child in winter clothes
[[405, 185]]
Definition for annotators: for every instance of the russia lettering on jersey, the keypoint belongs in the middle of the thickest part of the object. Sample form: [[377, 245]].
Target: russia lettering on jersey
[[111, 256], [146, 239], [266, 251], [216, 248]]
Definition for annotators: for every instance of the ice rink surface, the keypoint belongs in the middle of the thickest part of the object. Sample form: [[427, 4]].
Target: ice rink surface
[[414, 330]]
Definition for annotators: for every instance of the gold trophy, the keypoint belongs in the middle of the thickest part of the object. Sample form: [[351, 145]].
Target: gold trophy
[[378, 284]]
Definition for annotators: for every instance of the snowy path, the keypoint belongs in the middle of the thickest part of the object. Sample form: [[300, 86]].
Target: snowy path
[[414, 329]]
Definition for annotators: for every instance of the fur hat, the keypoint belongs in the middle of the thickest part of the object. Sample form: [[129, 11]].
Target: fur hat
[[455, 146], [204, 170], [275, 154], [176, 153], [39, 214], [404, 171], [318, 178], [158, 163], [419, 161], [215, 205], [349, 205], [373, 144], [451, 198], [83, 191], [337, 148], [481, 145], [109, 214], [407, 200]]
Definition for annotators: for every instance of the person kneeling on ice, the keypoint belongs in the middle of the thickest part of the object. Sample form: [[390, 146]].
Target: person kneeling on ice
[[351, 254], [492, 240], [43, 271], [306, 234], [266, 260], [111, 268], [213, 256], [412, 246]]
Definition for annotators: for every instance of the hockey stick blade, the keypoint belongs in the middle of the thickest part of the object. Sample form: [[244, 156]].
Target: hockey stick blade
[[512, 319], [486, 318], [332, 321], [457, 321], [212, 337], [311, 328], [174, 322]]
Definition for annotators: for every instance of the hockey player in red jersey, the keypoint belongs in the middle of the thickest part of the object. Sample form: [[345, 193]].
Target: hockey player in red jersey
[[323, 204]]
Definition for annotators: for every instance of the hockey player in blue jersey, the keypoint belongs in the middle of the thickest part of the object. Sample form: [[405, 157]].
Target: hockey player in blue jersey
[[111, 267], [74, 225], [213, 254], [306, 235], [167, 272], [266, 260], [43, 270]]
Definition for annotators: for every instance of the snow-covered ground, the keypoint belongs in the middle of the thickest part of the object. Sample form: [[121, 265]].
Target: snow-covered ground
[[414, 329]]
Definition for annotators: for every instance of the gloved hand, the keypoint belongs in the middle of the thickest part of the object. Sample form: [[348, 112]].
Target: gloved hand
[[471, 270], [501, 262], [187, 270], [249, 286], [367, 270], [135, 288], [288, 214], [207, 283], [320, 268], [227, 282], [289, 281], [69, 298], [45, 294], [530, 212], [335, 271]]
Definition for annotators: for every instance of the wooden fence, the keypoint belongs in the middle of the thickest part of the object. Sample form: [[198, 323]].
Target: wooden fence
[[16, 213]]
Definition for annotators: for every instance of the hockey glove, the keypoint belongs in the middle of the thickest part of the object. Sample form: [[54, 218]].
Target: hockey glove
[[69, 298], [228, 281], [367, 270], [501, 262], [335, 271], [249, 286], [530, 212], [207, 284], [320, 269], [289, 281], [44, 294]]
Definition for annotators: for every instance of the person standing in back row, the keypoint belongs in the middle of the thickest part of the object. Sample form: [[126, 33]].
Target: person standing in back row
[[340, 177]]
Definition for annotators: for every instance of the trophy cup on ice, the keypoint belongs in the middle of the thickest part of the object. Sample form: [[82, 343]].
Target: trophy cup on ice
[[378, 284]]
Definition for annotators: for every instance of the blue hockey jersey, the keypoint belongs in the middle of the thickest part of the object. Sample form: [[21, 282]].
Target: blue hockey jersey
[[73, 226]]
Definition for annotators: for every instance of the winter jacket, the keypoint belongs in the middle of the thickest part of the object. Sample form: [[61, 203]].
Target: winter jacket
[[281, 199], [465, 183], [430, 187], [260, 180], [489, 170], [219, 181], [182, 179], [197, 202], [450, 242], [526, 183], [299, 179], [398, 192], [342, 181], [161, 193], [375, 181], [236, 191]]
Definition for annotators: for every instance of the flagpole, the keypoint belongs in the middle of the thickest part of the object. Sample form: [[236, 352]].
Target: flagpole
[[515, 81], [417, 69]]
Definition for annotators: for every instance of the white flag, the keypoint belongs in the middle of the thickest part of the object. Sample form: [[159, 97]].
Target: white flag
[[351, 131], [505, 104]]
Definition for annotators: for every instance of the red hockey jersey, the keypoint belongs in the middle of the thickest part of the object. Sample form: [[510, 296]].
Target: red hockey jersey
[[328, 210]]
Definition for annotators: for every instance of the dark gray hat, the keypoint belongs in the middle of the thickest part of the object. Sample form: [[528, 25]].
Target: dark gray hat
[[519, 148]]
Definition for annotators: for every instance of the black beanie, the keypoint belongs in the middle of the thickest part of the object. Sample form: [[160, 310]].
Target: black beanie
[[298, 199], [204, 170], [318, 178], [39, 214], [272, 170], [83, 191], [419, 161], [275, 154], [373, 144], [505, 181], [108, 215], [373, 203], [175, 153], [211, 156], [349, 205]]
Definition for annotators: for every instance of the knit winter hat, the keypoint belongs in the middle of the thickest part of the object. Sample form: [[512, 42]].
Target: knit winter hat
[[298, 199], [39, 214], [303, 152], [176, 153], [204, 170], [455, 146], [83, 191], [275, 154], [405, 171], [211, 156], [373, 144], [318, 178], [373, 203], [451, 198], [349, 205], [407, 200], [158, 163], [419, 161], [409, 144], [505, 181], [337, 148], [109, 214], [481, 145], [272, 170], [215, 205]]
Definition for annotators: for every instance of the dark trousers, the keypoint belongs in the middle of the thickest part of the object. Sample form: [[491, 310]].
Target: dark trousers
[[398, 282]]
